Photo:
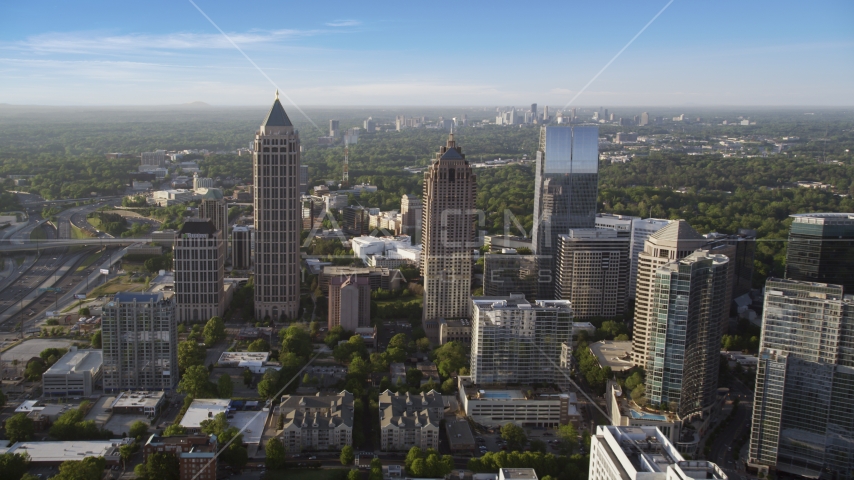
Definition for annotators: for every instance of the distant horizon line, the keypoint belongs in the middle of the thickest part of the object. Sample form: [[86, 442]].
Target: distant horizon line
[[203, 105]]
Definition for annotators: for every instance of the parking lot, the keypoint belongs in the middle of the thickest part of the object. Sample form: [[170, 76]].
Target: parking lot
[[31, 348], [492, 442], [389, 330]]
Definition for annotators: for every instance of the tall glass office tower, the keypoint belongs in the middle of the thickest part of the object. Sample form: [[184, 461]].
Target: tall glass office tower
[[566, 187], [802, 415], [821, 249], [689, 304]]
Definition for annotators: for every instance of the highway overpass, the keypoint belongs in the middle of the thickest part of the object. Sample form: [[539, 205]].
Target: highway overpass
[[30, 245]]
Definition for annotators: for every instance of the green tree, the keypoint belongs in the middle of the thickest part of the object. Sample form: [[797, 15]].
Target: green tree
[[259, 345], [19, 428], [269, 384], [247, 377], [450, 358], [90, 468], [347, 455], [214, 330], [235, 453], [215, 426], [35, 368], [14, 465], [190, 354], [423, 344], [359, 367], [354, 475], [224, 386], [401, 340], [449, 386], [538, 446], [194, 382], [568, 436], [633, 380], [125, 453], [275, 454], [412, 455], [159, 466], [96, 339], [296, 340], [174, 430], [138, 430], [84, 312], [514, 435]]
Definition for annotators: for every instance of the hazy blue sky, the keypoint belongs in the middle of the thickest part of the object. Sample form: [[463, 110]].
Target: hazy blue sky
[[420, 53]]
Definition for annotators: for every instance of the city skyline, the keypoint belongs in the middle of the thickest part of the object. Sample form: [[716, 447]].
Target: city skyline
[[98, 53]]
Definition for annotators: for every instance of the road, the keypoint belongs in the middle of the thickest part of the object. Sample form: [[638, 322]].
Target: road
[[721, 451]]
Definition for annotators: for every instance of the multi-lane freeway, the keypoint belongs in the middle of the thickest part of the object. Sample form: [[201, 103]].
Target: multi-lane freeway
[[50, 265]]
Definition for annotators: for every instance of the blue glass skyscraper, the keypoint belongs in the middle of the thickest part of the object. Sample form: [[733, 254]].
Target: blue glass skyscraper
[[566, 189]]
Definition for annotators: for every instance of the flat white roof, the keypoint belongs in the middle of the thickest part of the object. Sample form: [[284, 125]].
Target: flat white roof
[[254, 422], [77, 361], [613, 354], [202, 409], [63, 451], [138, 399], [237, 357], [28, 406]]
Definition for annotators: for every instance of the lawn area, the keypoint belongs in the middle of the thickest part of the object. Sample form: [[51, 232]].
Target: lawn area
[[95, 222], [20, 260], [121, 284], [78, 233], [307, 474], [38, 233], [89, 261], [404, 300]]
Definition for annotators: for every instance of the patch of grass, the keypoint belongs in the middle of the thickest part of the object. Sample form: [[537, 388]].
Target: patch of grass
[[405, 300], [121, 284], [20, 260], [38, 233], [89, 261], [95, 222], [78, 233]]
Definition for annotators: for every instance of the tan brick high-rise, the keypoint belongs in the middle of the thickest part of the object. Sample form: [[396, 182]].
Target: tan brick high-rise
[[276, 170], [448, 236]]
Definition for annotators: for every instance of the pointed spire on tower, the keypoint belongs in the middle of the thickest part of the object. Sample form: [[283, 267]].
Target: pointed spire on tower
[[277, 94]]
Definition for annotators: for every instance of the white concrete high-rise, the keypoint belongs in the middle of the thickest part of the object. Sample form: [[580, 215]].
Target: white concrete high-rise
[[515, 341], [140, 342], [276, 173], [449, 237], [643, 453]]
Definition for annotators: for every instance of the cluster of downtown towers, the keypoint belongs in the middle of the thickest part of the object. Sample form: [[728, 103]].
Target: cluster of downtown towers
[[682, 284]]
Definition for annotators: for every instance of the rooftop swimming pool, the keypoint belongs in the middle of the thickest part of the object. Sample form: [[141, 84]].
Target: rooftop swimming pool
[[500, 395], [648, 416]]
